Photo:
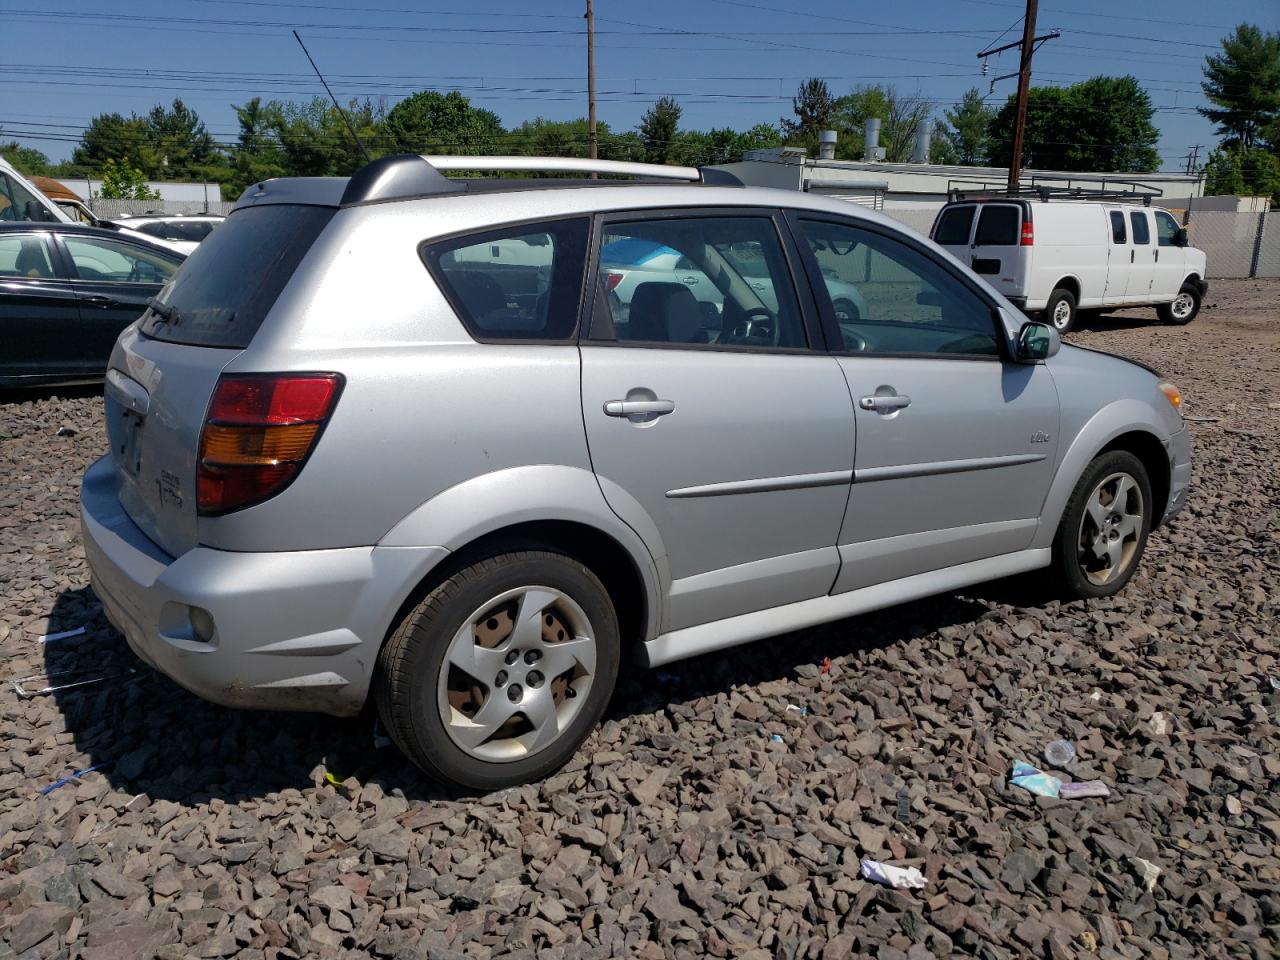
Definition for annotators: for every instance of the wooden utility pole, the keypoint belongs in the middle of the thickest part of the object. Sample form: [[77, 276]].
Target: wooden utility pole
[[591, 80], [1024, 84]]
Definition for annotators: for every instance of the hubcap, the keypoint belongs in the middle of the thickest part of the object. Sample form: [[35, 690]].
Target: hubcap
[[1182, 305], [1061, 314], [1110, 528], [516, 674]]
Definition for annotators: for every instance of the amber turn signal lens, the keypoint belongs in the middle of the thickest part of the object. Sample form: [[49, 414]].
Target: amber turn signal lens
[[1172, 394], [256, 446]]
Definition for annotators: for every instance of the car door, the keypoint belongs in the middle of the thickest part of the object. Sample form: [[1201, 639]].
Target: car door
[[1142, 255], [112, 280], [956, 444], [1170, 259], [1119, 258], [734, 445], [39, 319]]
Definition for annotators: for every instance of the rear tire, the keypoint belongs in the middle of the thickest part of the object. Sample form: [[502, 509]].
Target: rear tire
[[1060, 311], [1184, 307], [1104, 528], [497, 676]]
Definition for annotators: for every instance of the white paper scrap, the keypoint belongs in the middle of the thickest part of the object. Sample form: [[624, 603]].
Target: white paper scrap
[[900, 878]]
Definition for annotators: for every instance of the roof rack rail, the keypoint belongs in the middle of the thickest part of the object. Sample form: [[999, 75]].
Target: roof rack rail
[[1057, 188], [616, 168]]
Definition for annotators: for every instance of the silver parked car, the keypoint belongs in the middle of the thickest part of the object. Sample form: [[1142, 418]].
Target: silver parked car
[[386, 437]]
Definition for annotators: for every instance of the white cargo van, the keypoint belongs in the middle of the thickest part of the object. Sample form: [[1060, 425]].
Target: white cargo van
[[1061, 257]]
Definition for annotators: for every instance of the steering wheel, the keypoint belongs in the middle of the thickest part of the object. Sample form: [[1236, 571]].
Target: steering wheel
[[758, 326]]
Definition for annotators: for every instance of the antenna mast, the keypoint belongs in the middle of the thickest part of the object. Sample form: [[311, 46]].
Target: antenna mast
[[350, 129]]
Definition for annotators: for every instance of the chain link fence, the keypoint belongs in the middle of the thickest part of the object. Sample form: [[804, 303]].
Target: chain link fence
[[1235, 244], [110, 209]]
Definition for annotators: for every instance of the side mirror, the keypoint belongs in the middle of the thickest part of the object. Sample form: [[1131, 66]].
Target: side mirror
[[35, 210], [1037, 341], [1180, 238]]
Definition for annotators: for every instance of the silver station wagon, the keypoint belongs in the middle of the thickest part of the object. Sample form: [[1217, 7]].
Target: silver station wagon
[[398, 436]]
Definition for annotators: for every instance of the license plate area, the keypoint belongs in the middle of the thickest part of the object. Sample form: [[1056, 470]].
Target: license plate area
[[129, 446]]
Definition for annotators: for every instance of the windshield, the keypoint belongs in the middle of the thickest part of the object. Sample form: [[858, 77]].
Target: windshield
[[229, 284]]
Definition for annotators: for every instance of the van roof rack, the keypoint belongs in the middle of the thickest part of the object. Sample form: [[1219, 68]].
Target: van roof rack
[[1057, 188]]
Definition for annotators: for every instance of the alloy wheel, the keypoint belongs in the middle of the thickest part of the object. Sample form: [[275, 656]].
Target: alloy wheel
[[1110, 529], [516, 674]]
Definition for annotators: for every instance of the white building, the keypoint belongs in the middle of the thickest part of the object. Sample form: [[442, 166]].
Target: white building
[[925, 186], [192, 195]]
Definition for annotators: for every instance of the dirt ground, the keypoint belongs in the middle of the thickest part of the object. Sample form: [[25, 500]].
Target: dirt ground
[[724, 806]]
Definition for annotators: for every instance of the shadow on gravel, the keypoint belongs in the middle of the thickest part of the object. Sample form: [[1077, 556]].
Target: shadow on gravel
[[153, 737], [35, 394], [1112, 321]]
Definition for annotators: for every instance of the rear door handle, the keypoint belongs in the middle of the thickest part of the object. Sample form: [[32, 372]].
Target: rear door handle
[[884, 404], [100, 301], [632, 408]]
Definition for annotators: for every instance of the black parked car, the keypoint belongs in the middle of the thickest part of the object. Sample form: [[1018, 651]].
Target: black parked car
[[66, 292]]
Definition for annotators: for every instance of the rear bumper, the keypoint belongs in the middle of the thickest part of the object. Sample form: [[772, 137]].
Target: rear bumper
[[293, 631], [1178, 446]]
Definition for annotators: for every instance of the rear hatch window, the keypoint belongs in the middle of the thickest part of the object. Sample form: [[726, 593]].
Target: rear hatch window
[[953, 226], [228, 285]]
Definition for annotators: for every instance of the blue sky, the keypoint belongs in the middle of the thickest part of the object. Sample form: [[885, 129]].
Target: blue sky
[[728, 62]]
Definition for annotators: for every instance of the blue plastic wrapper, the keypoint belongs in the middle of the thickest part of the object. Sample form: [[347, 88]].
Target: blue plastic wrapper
[[1031, 778]]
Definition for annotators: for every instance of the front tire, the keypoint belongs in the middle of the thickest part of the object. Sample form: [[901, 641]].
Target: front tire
[[1184, 307], [1061, 310], [1103, 532], [497, 676]]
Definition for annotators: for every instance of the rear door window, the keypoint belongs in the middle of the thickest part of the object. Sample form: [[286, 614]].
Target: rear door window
[[516, 283], [954, 226], [231, 281], [25, 258], [1117, 227], [1141, 232], [998, 226]]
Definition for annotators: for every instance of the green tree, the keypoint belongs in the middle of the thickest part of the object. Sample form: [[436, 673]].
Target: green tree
[[658, 128], [257, 155], [1238, 172], [313, 136], [1243, 84], [721, 145], [1100, 124], [176, 143], [814, 108], [111, 136], [26, 160], [120, 181], [941, 148], [970, 123], [432, 122]]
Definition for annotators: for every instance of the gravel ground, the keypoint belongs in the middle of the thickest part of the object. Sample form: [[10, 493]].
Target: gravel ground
[[704, 817]]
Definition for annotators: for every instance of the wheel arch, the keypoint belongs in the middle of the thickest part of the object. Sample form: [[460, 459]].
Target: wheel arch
[[1192, 277], [1070, 283], [555, 507], [1123, 425]]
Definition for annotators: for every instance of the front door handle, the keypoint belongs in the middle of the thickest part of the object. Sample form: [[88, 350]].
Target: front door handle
[[99, 301], [639, 408], [885, 404]]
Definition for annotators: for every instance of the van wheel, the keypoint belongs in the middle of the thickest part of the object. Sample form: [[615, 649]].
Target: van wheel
[[1104, 528], [1184, 307], [498, 675], [1061, 310]]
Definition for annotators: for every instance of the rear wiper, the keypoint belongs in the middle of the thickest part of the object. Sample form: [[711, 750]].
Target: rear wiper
[[166, 312]]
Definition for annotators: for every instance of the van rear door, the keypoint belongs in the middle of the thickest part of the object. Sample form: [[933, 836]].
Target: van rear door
[[953, 229], [997, 253]]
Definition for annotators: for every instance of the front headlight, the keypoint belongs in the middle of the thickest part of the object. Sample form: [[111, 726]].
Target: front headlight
[[1172, 394]]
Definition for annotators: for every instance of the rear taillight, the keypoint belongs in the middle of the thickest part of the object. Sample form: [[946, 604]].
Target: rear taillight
[[611, 280], [259, 432], [1028, 234]]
